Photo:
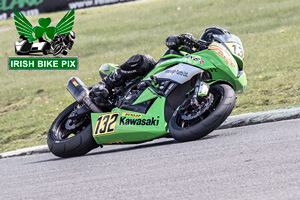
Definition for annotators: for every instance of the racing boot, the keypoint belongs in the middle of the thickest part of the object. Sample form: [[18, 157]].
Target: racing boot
[[104, 88]]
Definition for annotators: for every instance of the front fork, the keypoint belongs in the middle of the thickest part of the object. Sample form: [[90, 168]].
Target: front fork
[[201, 90]]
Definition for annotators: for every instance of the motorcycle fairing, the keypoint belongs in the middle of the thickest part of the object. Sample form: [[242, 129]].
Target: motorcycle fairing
[[225, 67], [192, 59], [178, 73], [112, 127]]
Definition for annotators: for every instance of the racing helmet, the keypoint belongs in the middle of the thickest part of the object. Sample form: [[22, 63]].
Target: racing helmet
[[232, 43], [72, 35], [210, 32]]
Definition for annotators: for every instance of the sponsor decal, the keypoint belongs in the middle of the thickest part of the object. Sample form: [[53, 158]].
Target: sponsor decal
[[188, 59], [201, 61], [139, 122], [194, 58], [128, 72], [131, 115], [178, 72], [220, 52], [74, 82]]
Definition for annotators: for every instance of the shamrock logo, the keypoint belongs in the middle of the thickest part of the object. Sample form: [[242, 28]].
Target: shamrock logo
[[44, 30]]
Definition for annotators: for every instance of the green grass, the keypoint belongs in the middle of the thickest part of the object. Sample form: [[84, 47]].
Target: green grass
[[269, 30]]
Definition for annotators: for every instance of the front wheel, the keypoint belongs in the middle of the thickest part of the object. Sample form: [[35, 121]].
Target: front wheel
[[69, 137], [190, 122], [57, 50]]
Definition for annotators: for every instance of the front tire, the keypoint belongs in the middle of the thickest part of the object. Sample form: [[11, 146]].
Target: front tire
[[57, 50], [187, 127], [59, 138]]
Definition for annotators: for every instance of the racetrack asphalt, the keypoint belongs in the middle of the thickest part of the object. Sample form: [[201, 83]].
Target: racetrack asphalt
[[243, 163], [231, 121]]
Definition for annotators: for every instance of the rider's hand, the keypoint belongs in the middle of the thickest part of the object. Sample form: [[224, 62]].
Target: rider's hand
[[189, 41], [173, 42], [185, 41], [203, 44]]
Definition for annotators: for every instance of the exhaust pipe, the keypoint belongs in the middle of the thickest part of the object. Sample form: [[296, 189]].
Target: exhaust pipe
[[81, 94]]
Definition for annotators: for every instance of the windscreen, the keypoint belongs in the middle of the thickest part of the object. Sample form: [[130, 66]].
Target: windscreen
[[233, 44]]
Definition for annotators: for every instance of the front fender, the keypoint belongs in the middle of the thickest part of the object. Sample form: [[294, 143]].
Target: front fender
[[239, 85]]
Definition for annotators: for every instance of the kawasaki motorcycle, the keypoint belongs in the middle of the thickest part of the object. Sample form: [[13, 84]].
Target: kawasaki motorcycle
[[186, 96]]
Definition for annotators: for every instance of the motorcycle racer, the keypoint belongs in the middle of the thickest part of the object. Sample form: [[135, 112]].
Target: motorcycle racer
[[140, 65], [61, 43], [185, 96]]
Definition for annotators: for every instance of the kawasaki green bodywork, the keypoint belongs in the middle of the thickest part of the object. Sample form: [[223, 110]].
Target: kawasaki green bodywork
[[123, 126], [130, 127]]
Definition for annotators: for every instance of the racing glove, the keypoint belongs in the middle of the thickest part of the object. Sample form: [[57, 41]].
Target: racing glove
[[173, 42], [186, 42]]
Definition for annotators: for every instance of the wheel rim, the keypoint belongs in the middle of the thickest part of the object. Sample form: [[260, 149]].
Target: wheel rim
[[188, 115], [68, 128]]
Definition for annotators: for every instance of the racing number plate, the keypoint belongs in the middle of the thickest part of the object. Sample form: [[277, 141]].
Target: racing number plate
[[106, 124], [236, 49]]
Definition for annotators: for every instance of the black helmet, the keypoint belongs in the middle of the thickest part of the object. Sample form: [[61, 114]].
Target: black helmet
[[209, 33]]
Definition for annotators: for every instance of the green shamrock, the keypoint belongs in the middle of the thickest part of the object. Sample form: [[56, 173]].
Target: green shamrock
[[43, 28]]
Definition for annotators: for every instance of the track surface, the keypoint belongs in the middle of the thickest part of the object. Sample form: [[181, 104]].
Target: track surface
[[252, 162]]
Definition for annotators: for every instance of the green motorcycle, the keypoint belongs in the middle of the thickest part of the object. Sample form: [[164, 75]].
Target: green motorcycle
[[186, 97]]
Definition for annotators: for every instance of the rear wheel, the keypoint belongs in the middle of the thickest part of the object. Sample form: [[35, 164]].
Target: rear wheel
[[71, 137], [190, 122]]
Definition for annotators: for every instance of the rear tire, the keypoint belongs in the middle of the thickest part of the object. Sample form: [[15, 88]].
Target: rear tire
[[216, 114], [81, 143]]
